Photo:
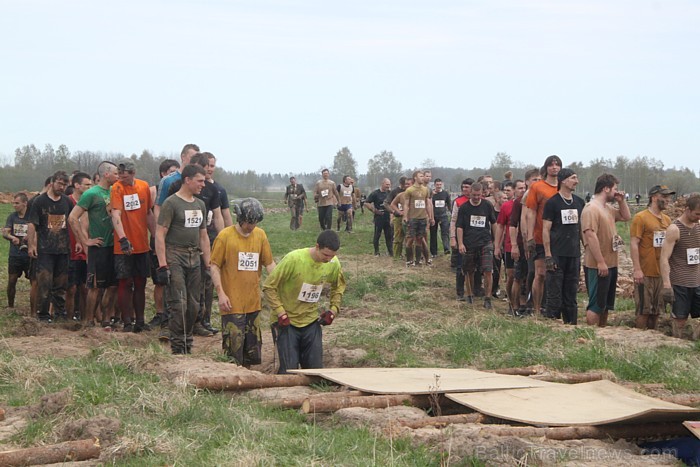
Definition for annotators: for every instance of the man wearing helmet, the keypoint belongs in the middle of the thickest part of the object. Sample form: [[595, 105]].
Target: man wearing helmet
[[293, 292], [237, 257]]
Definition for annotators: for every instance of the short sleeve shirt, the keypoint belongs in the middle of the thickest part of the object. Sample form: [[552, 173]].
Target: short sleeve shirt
[[241, 260], [50, 219], [18, 227], [416, 199], [651, 232], [183, 219], [565, 216], [164, 186], [96, 201], [134, 203], [476, 222], [602, 222], [537, 196]]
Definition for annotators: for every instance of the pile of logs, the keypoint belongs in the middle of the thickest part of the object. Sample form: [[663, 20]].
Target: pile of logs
[[332, 401]]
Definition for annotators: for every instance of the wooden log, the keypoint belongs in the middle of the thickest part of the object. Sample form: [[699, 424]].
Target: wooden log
[[570, 378], [682, 399], [526, 371], [70, 451], [249, 381], [445, 420], [649, 430], [321, 405], [297, 402]]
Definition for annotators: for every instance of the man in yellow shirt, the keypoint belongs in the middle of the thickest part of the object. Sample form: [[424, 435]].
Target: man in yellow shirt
[[293, 292], [238, 255]]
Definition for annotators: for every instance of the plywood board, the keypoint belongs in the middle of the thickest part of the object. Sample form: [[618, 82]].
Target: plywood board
[[694, 427], [422, 380], [594, 403]]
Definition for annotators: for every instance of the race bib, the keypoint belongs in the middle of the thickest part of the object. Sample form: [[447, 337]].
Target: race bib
[[569, 216], [131, 202], [399, 206], [294, 196], [477, 221], [347, 192], [56, 221], [693, 255], [440, 203], [193, 217], [210, 216], [617, 243], [419, 204], [248, 261], [324, 193], [659, 237], [20, 230], [310, 293]]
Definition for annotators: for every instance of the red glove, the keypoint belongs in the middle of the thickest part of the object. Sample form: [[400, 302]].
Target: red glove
[[283, 321], [326, 318]]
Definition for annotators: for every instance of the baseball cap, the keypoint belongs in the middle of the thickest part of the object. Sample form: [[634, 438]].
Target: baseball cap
[[662, 189], [126, 166]]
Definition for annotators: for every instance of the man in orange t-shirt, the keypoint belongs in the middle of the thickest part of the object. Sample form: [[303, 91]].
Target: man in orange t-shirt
[[538, 195], [132, 218]]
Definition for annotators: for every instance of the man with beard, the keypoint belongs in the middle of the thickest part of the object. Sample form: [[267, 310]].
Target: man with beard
[[49, 243], [561, 234], [602, 246], [647, 234]]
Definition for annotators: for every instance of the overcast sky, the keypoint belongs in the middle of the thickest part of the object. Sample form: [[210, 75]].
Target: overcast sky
[[281, 86]]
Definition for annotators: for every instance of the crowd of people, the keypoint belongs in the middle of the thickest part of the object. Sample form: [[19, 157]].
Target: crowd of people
[[529, 239], [88, 245]]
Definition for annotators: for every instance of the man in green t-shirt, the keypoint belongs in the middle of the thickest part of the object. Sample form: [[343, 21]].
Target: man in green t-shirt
[[91, 223], [293, 291]]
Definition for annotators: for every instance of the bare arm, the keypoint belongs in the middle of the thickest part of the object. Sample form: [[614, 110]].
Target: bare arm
[[151, 222], [161, 232], [498, 239], [546, 228], [31, 240], [672, 236], [594, 247], [637, 273], [514, 250], [224, 302], [117, 223], [205, 247], [530, 215], [460, 240], [218, 220], [270, 267], [226, 214]]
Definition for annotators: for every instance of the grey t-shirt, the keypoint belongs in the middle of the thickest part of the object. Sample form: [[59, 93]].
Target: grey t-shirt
[[184, 220]]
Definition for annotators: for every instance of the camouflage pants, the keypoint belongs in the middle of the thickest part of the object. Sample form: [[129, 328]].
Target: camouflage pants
[[242, 338]]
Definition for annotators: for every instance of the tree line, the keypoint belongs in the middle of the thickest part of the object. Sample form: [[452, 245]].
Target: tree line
[[32, 165]]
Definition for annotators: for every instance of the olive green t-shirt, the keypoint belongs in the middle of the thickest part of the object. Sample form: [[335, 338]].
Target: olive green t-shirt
[[416, 199], [183, 219]]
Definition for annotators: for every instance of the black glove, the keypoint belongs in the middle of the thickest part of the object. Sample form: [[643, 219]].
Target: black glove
[[163, 275], [283, 321], [326, 318], [125, 245], [550, 264], [668, 297]]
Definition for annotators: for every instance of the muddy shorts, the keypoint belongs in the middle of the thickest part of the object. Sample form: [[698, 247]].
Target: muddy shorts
[[16, 265], [647, 297], [77, 272], [686, 303], [242, 338], [135, 265], [601, 290], [417, 228], [482, 256], [508, 260], [100, 267]]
